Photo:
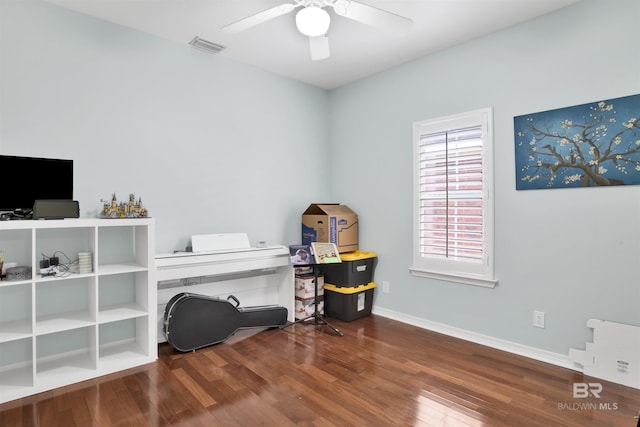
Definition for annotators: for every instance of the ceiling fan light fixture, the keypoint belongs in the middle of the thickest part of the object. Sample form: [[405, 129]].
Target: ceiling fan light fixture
[[312, 21]]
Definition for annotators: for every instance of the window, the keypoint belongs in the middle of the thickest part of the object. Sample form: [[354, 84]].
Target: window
[[453, 191]]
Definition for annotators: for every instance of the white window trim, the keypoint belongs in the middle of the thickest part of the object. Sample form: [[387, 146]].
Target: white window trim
[[456, 278], [482, 274]]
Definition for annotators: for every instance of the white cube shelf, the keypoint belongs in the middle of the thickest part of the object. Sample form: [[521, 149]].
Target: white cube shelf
[[56, 331]]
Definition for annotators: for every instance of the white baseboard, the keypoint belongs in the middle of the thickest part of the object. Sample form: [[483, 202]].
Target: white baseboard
[[497, 343]]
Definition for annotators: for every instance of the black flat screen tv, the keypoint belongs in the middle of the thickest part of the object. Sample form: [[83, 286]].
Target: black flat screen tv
[[27, 179]]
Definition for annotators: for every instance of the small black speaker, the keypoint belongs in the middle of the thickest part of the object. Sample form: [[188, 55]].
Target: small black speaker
[[56, 209]]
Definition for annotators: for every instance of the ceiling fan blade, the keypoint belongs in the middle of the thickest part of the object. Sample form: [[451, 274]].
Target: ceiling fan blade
[[259, 18], [319, 47], [371, 15]]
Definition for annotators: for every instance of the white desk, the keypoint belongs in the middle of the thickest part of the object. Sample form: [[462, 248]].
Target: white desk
[[256, 276]]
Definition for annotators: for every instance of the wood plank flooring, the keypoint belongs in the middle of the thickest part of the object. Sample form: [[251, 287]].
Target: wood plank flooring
[[380, 373]]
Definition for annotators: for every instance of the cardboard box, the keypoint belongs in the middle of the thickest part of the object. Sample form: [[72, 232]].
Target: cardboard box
[[305, 286], [301, 271], [306, 307], [331, 223]]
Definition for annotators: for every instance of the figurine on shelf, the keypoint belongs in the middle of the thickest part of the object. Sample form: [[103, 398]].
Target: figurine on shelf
[[132, 209]]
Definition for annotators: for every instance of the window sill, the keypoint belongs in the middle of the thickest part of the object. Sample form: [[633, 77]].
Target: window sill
[[466, 280]]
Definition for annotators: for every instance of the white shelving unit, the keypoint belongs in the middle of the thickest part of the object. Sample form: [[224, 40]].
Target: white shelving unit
[[56, 331]]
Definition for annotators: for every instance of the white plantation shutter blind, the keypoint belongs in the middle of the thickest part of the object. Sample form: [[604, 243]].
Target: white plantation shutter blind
[[453, 211], [451, 194]]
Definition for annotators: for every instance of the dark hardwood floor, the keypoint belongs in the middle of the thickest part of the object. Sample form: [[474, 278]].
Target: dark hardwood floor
[[380, 373]]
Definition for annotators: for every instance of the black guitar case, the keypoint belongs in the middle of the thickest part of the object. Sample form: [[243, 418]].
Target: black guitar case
[[193, 321]]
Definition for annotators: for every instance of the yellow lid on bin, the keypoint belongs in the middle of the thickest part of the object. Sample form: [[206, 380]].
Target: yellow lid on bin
[[357, 255], [349, 290]]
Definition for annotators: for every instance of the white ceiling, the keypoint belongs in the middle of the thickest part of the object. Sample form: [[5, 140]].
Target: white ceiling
[[357, 50]]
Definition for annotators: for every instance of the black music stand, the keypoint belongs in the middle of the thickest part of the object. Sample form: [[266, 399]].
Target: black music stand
[[317, 317]]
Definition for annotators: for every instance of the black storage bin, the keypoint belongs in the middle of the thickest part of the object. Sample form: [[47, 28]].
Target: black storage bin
[[348, 303], [355, 269]]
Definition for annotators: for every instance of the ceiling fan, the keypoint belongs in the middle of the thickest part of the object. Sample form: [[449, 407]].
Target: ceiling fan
[[313, 20]]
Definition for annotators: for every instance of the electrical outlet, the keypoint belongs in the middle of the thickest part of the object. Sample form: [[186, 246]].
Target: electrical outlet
[[538, 319], [385, 287]]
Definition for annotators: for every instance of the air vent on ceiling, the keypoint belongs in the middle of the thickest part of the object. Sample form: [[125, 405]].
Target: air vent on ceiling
[[206, 45]]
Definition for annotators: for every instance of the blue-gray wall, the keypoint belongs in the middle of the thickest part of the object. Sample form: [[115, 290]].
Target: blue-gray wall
[[213, 146], [572, 253], [210, 145]]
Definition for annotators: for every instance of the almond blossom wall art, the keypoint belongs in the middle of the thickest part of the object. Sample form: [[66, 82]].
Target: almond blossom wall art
[[588, 145]]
